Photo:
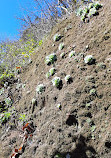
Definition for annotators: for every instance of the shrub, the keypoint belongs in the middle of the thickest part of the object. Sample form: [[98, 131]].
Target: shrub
[[89, 59], [57, 37], [40, 89], [56, 81], [50, 59], [61, 46], [71, 54]]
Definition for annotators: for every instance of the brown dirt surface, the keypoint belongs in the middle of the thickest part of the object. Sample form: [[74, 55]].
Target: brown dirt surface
[[82, 128]]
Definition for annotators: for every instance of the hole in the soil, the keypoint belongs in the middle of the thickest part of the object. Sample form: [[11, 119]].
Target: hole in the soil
[[60, 85], [108, 144], [88, 115], [70, 81], [71, 120]]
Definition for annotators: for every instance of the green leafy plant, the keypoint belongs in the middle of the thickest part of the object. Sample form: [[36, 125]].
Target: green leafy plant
[[6, 76], [4, 117], [50, 59], [22, 117], [40, 89], [57, 37], [61, 46], [56, 81]]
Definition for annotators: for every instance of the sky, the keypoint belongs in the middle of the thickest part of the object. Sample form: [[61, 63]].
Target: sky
[[9, 10]]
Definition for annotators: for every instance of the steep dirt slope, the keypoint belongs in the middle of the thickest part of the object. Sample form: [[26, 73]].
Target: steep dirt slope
[[82, 128]]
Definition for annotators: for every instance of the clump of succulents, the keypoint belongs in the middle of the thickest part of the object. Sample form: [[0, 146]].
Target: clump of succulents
[[61, 46], [92, 12], [97, 5], [40, 88], [62, 55], [71, 54], [67, 78], [89, 59], [50, 59], [88, 11], [57, 37], [56, 81]]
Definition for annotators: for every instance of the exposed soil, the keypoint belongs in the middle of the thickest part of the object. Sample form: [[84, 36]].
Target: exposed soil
[[82, 127]]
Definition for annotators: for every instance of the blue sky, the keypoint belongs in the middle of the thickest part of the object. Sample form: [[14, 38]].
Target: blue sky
[[9, 9]]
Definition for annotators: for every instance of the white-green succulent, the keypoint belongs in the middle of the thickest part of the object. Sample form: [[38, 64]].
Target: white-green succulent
[[67, 78], [50, 58], [40, 88], [61, 46], [71, 54], [47, 75], [89, 59], [52, 71], [62, 55], [56, 81], [33, 101], [57, 37]]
